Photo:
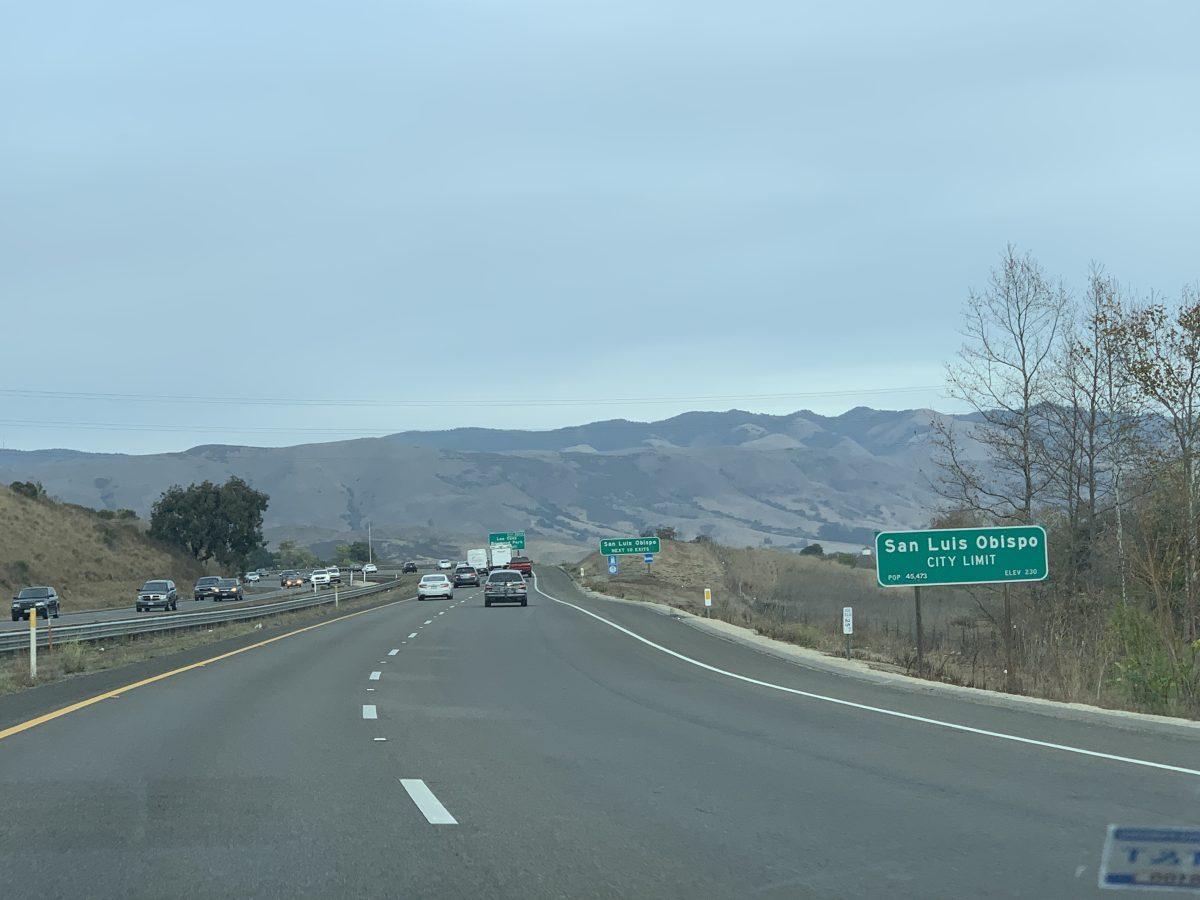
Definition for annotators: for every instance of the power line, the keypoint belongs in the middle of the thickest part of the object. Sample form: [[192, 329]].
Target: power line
[[490, 403]]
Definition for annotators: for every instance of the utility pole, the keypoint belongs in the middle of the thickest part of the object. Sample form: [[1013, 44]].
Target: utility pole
[[370, 557]]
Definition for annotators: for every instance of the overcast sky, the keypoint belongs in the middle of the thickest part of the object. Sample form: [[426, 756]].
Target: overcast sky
[[507, 212]]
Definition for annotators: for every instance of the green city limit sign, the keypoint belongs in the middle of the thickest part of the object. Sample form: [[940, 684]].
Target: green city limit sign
[[961, 556]]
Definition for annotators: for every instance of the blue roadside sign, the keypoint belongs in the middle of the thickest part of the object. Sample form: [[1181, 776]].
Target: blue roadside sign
[[1166, 858], [649, 558], [612, 568], [612, 560]]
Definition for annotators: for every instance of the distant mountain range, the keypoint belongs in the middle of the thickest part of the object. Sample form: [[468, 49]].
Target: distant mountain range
[[742, 478]]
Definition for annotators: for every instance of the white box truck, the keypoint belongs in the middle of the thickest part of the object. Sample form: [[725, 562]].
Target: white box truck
[[501, 555], [478, 560]]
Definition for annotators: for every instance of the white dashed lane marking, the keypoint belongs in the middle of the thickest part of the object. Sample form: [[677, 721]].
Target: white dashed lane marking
[[393, 652], [374, 676], [413, 635], [369, 711], [429, 805]]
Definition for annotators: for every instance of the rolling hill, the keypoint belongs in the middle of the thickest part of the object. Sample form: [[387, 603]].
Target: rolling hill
[[742, 478]]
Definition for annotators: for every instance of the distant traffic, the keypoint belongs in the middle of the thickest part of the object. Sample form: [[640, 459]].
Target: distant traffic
[[501, 574]]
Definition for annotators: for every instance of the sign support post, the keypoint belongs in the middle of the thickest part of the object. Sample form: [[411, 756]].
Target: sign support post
[[920, 632], [1009, 675], [33, 641]]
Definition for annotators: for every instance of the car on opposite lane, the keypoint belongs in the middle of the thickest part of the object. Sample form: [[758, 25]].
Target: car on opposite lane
[[466, 575], [206, 588], [505, 586], [43, 598], [157, 593], [228, 589], [409, 567], [369, 568], [290, 578], [252, 577], [435, 586], [321, 577]]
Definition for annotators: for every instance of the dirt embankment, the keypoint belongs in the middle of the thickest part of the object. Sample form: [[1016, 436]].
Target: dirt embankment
[[93, 561]]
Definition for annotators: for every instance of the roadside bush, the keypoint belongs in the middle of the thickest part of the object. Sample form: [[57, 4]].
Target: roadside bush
[[70, 658], [31, 489], [1149, 671]]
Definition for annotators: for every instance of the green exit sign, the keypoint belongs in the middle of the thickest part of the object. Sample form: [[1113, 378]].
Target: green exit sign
[[514, 539], [961, 556], [629, 545]]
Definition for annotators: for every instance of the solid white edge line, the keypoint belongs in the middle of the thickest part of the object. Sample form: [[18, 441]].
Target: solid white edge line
[[429, 805], [954, 726], [374, 676], [369, 711]]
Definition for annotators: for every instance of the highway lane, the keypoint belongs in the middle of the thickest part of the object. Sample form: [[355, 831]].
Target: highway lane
[[575, 759], [255, 593]]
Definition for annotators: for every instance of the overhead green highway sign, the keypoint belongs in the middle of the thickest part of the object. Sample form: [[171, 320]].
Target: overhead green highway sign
[[961, 556], [514, 539], [629, 545]]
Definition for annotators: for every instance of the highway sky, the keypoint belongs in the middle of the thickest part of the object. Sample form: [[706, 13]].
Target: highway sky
[[508, 201]]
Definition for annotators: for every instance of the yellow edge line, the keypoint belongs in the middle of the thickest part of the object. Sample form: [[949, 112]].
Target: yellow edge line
[[50, 716]]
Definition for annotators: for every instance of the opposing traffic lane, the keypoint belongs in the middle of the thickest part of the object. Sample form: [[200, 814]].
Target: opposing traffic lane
[[254, 594]]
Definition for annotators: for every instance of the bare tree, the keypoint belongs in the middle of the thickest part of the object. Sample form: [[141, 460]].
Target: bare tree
[[1003, 374], [1160, 348]]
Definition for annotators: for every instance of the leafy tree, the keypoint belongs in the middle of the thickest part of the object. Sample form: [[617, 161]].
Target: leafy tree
[[289, 556], [209, 520], [813, 550], [351, 553], [31, 489]]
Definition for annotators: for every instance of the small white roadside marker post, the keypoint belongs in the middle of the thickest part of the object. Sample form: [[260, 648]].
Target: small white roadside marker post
[[335, 596], [847, 626], [707, 601], [33, 641]]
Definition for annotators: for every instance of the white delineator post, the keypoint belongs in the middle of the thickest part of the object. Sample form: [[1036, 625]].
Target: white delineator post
[[33, 641]]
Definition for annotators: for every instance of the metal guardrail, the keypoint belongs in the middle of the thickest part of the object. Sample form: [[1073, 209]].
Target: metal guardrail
[[13, 641]]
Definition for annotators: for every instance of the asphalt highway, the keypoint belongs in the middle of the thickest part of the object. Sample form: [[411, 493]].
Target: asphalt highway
[[573, 748]]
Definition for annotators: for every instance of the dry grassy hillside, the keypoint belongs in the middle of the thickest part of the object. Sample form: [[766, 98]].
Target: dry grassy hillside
[[93, 562], [788, 596]]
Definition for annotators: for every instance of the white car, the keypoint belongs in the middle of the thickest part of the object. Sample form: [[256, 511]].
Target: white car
[[322, 576], [435, 586], [445, 564], [370, 568], [253, 576]]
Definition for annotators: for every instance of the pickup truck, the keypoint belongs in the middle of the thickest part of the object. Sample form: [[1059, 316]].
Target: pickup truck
[[505, 586], [522, 564]]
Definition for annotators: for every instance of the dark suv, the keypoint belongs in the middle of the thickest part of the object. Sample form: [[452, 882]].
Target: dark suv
[[409, 567], [505, 586], [228, 589], [157, 593], [206, 588], [43, 599], [466, 575]]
